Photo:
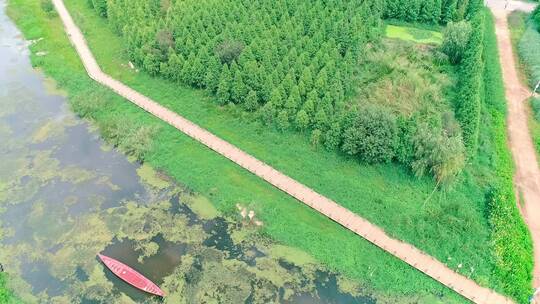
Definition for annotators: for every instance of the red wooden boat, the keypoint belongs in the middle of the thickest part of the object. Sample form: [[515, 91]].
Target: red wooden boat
[[131, 276]]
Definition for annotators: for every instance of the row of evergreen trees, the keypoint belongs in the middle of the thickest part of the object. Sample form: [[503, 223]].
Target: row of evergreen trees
[[294, 61], [430, 11]]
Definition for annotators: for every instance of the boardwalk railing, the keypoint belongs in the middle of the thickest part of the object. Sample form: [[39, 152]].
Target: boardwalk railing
[[403, 251]]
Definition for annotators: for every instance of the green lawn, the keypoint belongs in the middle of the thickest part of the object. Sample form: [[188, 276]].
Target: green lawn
[[413, 34], [452, 225]]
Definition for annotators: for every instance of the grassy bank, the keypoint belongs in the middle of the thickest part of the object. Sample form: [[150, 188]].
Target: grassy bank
[[452, 225]]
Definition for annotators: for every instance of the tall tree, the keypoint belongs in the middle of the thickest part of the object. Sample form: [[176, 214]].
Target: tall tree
[[224, 88]]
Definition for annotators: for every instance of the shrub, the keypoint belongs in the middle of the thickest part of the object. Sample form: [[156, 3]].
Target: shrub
[[437, 153], [101, 7], [47, 6], [535, 105], [456, 37], [88, 103], [371, 135], [128, 136]]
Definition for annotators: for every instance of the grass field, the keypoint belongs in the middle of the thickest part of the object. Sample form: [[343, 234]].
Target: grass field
[[452, 225], [413, 34]]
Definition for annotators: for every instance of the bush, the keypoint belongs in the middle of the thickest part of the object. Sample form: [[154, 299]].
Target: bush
[[101, 7], [48, 7], [130, 138], [371, 135], [437, 153], [88, 103], [456, 37], [535, 105]]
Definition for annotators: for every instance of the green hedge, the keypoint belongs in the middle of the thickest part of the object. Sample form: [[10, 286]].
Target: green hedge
[[512, 243], [470, 86]]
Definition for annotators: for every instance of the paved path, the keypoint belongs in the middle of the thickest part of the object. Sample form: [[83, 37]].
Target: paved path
[[527, 177], [403, 251]]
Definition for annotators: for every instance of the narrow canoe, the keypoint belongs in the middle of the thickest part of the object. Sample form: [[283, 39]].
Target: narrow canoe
[[131, 276]]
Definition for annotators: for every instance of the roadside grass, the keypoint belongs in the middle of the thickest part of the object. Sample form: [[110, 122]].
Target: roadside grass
[[452, 224], [510, 236], [517, 23], [413, 34], [529, 52], [534, 123]]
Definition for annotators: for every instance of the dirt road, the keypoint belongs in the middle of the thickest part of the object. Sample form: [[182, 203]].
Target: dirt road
[[527, 177]]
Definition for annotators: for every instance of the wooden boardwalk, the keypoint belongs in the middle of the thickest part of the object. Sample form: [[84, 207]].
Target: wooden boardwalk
[[403, 251]]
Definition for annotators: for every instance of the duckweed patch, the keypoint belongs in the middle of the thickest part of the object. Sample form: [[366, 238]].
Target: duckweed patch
[[151, 177]]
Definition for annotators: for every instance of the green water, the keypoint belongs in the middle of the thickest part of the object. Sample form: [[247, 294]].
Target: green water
[[66, 196]]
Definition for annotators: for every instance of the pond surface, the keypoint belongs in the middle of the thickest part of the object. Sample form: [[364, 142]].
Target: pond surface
[[66, 196]]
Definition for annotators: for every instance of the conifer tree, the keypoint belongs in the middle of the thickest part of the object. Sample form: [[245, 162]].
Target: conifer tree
[[224, 88], [277, 96], [238, 90], [302, 120], [213, 73], [251, 104], [293, 102], [282, 120], [321, 120], [307, 78], [316, 137], [267, 113]]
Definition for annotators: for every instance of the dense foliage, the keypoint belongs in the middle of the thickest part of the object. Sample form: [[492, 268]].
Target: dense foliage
[[293, 63], [431, 11], [470, 97], [529, 52], [286, 55], [511, 239], [456, 37], [536, 17]]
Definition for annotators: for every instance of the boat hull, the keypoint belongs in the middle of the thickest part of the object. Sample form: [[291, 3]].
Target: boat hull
[[131, 276]]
